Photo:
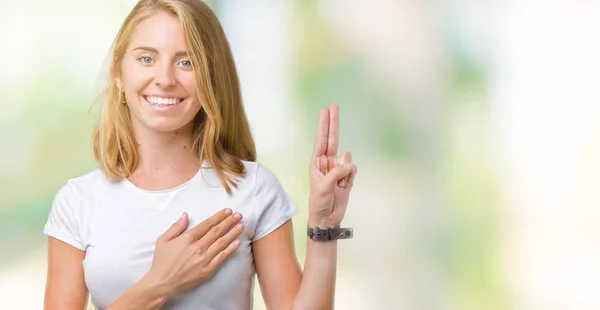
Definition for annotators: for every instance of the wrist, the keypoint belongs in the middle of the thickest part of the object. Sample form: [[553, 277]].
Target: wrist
[[148, 293], [156, 288], [322, 223]]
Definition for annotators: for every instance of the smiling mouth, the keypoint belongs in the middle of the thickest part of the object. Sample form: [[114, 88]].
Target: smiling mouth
[[161, 101]]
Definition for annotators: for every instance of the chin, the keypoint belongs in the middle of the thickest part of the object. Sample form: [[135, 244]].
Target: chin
[[165, 125]]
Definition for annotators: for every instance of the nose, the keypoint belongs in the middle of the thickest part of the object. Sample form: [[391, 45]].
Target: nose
[[165, 76]]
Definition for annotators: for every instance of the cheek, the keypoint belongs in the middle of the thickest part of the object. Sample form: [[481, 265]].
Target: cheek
[[135, 78], [189, 84], [188, 81]]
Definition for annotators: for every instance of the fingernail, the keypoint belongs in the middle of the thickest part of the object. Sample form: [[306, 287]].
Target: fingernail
[[239, 226], [227, 211], [343, 183], [237, 216], [181, 217], [348, 167]]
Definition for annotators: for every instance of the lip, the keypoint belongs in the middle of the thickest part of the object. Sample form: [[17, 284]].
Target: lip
[[163, 96], [163, 107]]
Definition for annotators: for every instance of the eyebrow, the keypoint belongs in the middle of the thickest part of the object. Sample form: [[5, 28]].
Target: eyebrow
[[153, 50]]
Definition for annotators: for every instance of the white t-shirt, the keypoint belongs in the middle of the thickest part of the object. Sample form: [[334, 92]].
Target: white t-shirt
[[117, 224]]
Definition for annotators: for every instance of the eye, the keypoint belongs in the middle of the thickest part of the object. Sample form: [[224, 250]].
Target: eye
[[145, 59], [186, 63]]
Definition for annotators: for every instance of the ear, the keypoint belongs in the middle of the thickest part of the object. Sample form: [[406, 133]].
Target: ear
[[119, 84], [117, 77]]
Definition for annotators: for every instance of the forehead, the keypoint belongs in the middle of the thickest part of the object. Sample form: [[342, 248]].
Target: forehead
[[161, 31]]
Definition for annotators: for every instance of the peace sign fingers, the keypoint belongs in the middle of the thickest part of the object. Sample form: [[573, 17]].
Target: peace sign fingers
[[326, 144]]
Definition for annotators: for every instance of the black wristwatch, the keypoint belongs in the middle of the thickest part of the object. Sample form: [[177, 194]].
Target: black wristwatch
[[326, 234]]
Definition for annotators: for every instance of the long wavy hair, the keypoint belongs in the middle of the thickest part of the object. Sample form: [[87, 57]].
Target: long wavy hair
[[221, 132]]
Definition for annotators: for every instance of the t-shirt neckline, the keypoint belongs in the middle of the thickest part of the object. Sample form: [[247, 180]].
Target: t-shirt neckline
[[169, 190]]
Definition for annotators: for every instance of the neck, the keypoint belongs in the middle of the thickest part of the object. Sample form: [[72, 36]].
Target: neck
[[164, 153]]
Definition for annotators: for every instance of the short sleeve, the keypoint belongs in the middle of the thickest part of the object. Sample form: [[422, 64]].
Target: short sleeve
[[64, 220], [273, 207]]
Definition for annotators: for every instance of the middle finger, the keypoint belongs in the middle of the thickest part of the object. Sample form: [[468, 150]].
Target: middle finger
[[222, 243], [220, 230], [333, 136]]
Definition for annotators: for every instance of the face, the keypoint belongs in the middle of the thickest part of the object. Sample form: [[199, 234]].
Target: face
[[157, 76]]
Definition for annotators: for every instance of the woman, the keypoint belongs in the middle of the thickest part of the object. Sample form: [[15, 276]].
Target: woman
[[179, 215]]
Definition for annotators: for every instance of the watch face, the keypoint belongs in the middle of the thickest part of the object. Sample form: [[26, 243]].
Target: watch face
[[348, 233], [341, 233]]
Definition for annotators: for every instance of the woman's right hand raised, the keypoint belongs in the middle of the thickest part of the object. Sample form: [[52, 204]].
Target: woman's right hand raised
[[183, 260]]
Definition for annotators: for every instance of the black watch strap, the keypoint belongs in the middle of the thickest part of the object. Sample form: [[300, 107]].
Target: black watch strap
[[326, 234]]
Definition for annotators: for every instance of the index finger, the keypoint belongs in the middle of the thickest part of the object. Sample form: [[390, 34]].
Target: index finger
[[322, 134], [201, 229]]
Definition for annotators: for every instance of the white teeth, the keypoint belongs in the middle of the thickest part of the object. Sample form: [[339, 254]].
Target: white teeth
[[163, 101]]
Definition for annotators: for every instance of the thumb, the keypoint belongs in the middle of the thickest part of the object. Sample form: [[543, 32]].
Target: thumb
[[338, 173], [176, 229]]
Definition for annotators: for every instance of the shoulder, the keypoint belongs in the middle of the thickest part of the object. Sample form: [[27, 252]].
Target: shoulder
[[260, 176], [84, 185]]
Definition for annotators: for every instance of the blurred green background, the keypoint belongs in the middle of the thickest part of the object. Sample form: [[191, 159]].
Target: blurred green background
[[475, 126]]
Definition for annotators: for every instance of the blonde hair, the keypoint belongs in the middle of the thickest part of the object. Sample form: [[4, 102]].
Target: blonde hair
[[221, 132]]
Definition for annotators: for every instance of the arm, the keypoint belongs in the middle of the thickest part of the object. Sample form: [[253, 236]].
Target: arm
[[65, 285], [318, 284], [277, 267], [280, 277], [331, 180], [147, 294]]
